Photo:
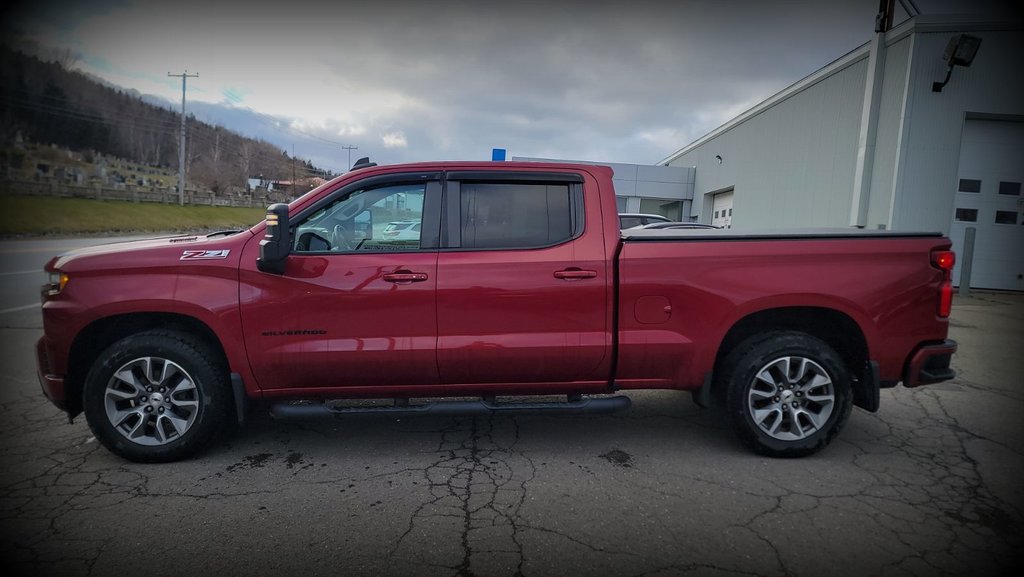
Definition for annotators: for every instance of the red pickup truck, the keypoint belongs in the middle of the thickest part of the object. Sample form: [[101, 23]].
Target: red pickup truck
[[512, 281]]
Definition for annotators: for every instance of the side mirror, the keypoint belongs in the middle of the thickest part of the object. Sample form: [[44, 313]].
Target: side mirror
[[276, 243]]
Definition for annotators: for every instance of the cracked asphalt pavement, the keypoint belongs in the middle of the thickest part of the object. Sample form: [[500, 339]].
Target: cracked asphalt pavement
[[930, 485]]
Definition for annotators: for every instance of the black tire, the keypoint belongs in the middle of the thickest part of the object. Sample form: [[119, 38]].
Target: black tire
[[787, 393], [156, 397]]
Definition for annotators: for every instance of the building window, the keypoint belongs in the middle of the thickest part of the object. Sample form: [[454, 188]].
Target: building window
[[969, 185], [967, 214], [1009, 188], [670, 209], [620, 203], [1006, 217], [630, 222]]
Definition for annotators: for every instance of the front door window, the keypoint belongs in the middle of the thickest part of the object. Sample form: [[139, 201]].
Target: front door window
[[387, 218]]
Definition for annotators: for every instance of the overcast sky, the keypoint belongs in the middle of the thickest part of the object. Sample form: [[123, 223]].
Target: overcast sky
[[626, 81]]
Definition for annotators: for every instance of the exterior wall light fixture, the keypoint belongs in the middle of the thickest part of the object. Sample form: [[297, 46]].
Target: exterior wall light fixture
[[959, 52]]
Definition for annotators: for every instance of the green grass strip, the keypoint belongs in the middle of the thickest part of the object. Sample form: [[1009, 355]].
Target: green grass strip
[[37, 216]]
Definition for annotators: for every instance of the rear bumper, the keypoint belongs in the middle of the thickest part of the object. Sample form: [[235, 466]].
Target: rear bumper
[[53, 385], [929, 364]]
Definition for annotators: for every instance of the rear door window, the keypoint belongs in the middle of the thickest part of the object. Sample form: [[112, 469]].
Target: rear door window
[[514, 215]]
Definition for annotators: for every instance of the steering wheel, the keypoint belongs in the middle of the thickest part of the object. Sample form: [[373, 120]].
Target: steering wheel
[[340, 239]]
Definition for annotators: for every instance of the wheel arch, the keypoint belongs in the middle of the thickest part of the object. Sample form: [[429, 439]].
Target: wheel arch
[[836, 328], [95, 337]]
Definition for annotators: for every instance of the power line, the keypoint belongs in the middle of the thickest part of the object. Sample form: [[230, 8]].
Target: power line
[[68, 112], [161, 129], [264, 152]]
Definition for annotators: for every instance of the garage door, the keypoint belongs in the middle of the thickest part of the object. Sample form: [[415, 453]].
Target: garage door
[[990, 198], [721, 210]]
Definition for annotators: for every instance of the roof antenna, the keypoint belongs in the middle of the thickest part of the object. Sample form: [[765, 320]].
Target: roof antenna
[[363, 162]]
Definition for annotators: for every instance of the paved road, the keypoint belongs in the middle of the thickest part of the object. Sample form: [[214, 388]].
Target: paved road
[[931, 485], [21, 267]]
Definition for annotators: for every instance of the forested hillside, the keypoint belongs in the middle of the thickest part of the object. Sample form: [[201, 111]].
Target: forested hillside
[[49, 103]]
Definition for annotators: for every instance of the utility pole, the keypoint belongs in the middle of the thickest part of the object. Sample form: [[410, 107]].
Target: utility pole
[[181, 149], [292, 191], [349, 149]]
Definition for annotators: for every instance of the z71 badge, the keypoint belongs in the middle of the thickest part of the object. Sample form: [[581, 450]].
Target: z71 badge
[[204, 254]]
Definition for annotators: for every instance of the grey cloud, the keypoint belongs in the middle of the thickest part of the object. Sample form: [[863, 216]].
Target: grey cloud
[[564, 79], [557, 79]]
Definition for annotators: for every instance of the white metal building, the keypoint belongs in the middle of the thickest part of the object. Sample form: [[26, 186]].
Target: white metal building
[[866, 142]]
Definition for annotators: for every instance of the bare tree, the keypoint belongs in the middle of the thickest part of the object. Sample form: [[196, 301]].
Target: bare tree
[[65, 57], [48, 103]]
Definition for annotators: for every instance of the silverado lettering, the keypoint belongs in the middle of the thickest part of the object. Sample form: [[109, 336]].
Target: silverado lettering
[[488, 280]]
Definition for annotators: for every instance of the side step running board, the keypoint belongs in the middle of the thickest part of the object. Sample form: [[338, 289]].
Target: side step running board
[[469, 407]]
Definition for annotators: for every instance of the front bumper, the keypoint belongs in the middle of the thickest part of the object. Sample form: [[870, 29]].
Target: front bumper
[[53, 385], [930, 364]]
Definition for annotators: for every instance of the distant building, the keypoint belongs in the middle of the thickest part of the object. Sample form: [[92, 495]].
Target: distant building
[[664, 190]]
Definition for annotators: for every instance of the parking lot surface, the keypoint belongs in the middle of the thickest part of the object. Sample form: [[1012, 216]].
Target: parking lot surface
[[930, 485]]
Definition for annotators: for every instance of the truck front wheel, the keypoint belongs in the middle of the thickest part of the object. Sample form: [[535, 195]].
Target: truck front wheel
[[156, 396], [788, 393]]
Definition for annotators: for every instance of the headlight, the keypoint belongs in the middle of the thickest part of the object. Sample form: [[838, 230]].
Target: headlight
[[58, 280]]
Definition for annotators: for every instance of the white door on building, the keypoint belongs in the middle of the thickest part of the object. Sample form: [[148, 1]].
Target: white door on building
[[721, 210], [990, 198]]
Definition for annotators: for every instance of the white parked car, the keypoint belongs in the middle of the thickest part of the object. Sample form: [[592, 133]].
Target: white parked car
[[632, 220], [402, 230], [666, 225]]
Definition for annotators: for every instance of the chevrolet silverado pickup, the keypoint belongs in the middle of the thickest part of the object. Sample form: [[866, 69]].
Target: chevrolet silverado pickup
[[513, 281]]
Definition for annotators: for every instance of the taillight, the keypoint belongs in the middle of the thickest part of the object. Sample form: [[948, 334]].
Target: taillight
[[944, 261]]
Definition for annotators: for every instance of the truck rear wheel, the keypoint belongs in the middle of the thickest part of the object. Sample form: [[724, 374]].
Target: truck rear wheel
[[787, 393], [156, 396]]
